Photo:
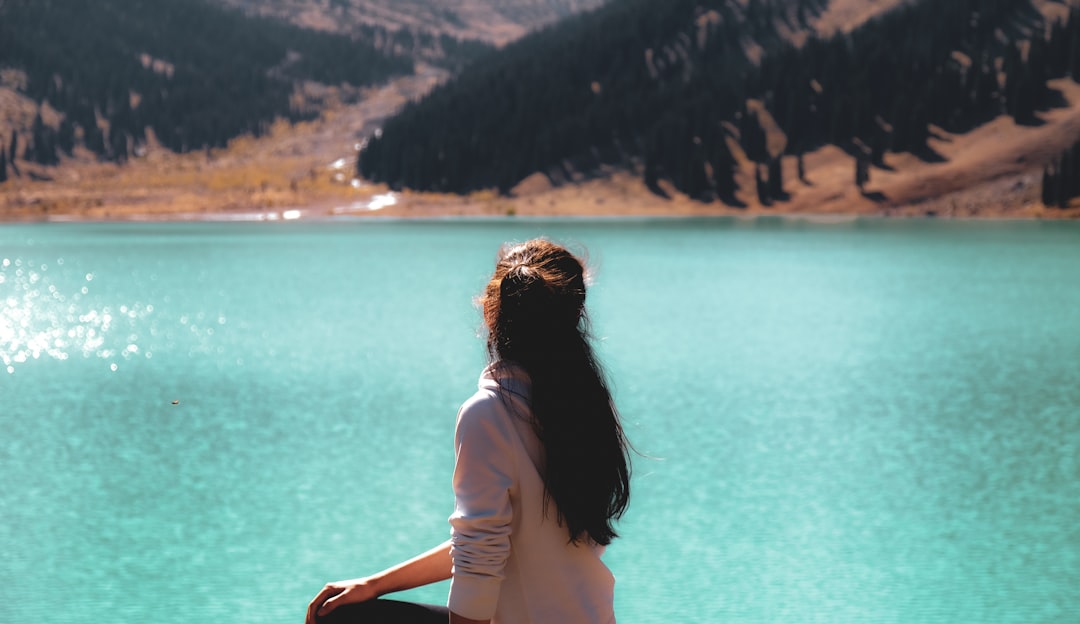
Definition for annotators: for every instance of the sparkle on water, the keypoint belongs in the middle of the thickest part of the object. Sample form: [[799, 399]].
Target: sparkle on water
[[40, 318]]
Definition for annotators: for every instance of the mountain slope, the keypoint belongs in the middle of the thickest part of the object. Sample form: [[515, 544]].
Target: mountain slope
[[494, 21], [195, 74], [684, 92]]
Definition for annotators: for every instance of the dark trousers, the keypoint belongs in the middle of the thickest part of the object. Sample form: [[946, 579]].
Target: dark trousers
[[387, 612]]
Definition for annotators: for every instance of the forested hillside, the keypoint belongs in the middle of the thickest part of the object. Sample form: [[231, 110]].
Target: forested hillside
[[194, 73], [674, 90]]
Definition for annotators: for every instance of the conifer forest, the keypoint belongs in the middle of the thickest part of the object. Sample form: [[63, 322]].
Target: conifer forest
[[195, 73], [665, 90]]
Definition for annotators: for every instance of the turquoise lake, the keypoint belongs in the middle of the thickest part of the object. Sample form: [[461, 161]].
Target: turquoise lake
[[863, 421]]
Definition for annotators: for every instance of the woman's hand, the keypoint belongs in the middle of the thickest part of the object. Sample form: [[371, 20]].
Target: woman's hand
[[341, 593], [429, 567]]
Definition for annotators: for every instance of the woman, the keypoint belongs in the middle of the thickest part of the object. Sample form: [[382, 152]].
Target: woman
[[541, 470]]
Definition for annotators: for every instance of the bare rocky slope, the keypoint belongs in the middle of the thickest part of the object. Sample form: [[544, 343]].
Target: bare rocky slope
[[494, 21]]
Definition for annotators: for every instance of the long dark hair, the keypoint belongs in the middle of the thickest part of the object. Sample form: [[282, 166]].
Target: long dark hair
[[534, 309]]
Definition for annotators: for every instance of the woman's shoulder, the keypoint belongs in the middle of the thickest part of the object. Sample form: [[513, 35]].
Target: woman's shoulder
[[505, 377], [501, 395], [484, 403]]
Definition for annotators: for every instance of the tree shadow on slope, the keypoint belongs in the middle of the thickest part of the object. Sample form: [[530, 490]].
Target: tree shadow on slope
[[875, 196], [1050, 99], [928, 154]]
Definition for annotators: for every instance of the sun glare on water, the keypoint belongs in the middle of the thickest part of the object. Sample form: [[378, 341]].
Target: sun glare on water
[[40, 319]]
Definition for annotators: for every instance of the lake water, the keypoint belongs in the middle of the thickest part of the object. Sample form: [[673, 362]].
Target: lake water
[[869, 421]]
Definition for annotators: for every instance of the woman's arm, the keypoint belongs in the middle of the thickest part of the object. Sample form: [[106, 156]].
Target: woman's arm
[[484, 474], [429, 567], [458, 619]]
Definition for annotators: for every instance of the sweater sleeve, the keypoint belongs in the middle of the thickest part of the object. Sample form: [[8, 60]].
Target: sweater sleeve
[[480, 525]]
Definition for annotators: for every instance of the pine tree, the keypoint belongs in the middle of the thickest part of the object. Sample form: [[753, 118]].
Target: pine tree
[[759, 185], [65, 138], [118, 145], [1066, 181], [862, 170], [776, 178], [723, 169], [1061, 179], [753, 137], [1048, 185], [94, 139], [1070, 185], [43, 149]]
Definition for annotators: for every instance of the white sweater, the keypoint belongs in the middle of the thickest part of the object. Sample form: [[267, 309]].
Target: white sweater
[[513, 563]]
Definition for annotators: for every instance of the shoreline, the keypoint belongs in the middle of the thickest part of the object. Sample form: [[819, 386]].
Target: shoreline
[[108, 193], [273, 217], [304, 172], [321, 215], [116, 197]]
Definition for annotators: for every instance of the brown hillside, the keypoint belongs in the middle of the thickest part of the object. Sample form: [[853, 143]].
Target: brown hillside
[[495, 21]]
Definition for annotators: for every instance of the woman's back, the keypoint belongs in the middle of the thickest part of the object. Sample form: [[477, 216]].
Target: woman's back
[[513, 561]]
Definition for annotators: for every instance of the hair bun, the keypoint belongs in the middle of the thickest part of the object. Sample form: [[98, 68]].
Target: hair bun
[[519, 279], [529, 296]]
